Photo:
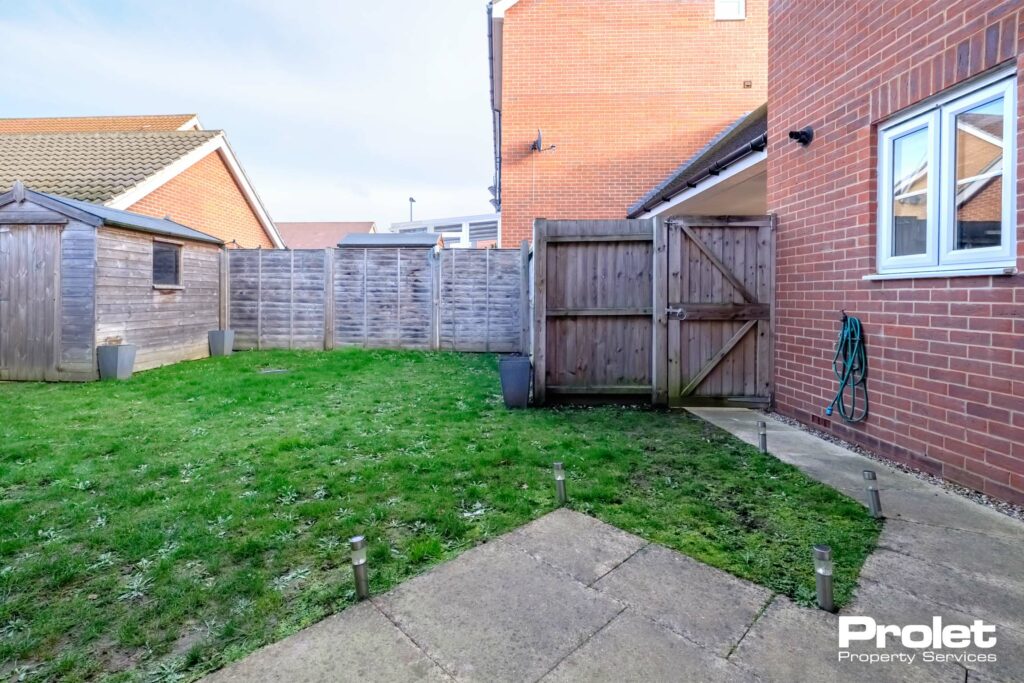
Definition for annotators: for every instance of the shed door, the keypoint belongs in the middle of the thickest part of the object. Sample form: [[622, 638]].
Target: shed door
[[29, 286]]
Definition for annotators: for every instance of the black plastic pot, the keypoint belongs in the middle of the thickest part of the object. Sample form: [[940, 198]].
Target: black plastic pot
[[115, 361], [515, 380]]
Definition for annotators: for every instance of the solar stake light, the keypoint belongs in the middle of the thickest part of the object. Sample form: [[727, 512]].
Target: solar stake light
[[560, 483], [874, 502], [358, 544], [762, 436], [823, 577]]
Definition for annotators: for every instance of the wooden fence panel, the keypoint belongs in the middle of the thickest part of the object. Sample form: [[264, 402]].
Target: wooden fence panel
[[377, 298], [594, 299], [480, 299]]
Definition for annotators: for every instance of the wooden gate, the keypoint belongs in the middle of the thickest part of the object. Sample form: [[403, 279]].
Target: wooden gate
[[29, 285], [718, 310], [593, 300], [676, 312]]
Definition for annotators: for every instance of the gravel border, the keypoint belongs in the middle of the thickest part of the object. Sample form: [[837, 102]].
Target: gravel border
[[1006, 508]]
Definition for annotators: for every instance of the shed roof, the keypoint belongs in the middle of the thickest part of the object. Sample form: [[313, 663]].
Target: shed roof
[[94, 167], [98, 124], [320, 234], [396, 239], [749, 131], [96, 215]]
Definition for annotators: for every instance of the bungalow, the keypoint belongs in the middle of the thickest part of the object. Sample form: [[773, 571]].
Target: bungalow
[[321, 234], [895, 178], [152, 165]]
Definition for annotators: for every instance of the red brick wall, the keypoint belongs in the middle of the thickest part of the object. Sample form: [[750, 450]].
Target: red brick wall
[[946, 355], [626, 89], [207, 198]]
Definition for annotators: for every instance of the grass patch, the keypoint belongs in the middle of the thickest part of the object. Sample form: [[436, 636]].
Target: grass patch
[[159, 528]]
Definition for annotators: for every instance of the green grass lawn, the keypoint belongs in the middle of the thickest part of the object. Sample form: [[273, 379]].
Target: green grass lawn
[[159, 528]]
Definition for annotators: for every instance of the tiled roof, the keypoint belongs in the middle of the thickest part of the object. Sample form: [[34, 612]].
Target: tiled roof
[[96, 124], [93, 167], [320, 235]]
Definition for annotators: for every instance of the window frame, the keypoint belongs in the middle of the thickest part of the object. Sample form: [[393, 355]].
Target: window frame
[[939, 115], [180, 246], [739, 15]]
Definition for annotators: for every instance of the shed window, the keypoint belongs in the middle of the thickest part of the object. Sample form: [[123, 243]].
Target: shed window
[[166, 264], [730, 10], [946, 179]]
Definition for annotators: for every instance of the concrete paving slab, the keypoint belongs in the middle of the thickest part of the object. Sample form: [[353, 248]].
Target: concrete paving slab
[[976, 552], [357, 644], [995, 599], [633, 648], [792, 643], [890, 606], [904, 496], [583, 547], [497, 614], [706, 605]]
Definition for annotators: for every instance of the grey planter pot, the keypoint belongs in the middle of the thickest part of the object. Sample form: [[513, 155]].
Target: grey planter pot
[[116, 361], [222, 342], [515, 375]]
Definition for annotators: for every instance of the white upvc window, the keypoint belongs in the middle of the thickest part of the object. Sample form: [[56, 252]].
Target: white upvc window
[[730, 10], [947, 198]]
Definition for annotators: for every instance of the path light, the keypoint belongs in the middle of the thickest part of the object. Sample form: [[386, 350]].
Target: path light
[[762, 436], [560, 483], [874, 502], [358, 544], [823, 577]]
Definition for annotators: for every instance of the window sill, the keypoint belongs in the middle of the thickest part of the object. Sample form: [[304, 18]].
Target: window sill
[[973, 272], [169, 288]]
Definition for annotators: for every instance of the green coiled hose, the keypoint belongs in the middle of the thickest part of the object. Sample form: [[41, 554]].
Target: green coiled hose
[[850, 364]]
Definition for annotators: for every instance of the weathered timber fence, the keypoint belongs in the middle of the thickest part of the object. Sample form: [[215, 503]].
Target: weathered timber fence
[[455, 299], [677, 312]]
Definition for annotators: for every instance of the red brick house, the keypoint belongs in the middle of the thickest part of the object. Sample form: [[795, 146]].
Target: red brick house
[[165, 165], [623, 89], [903, 210], [321, 234]]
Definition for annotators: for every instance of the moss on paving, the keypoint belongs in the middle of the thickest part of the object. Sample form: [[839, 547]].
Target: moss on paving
[[159, 528]]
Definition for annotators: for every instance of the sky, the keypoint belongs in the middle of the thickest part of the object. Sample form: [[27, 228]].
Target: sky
[[337, 110]]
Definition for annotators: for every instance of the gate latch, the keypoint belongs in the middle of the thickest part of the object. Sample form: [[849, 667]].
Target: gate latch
[[679, 312]]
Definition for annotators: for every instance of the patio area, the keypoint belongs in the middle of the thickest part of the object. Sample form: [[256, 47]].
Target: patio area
[[568, 597]]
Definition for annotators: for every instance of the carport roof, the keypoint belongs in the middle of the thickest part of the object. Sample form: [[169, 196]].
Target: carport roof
[[748, 131]]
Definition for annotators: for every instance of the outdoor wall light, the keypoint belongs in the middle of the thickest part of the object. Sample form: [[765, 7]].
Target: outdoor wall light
[[823, 577], [560, 483], [762, 436], [358, 544], [803, 136], [874, 501]]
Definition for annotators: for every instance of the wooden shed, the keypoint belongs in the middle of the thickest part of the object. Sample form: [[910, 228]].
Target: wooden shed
[[75, 275]]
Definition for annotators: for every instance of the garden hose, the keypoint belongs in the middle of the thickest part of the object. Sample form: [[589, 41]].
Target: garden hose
[[850, 365]]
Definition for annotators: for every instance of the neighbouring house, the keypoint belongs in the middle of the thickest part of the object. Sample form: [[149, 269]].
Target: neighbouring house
[[479, 231], [596, 102], [75, 275], [153, 165], [321, 234], [904, 210]]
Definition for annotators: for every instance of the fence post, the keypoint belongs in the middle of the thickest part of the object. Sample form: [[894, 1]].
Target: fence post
[[259, 299], [329, 313], [291, 299], [487, 300], [659, 320], [225, 289], [540, 248], [398, 299], [436, 264], [524, 297]]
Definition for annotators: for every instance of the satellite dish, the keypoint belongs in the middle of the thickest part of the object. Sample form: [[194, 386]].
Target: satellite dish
[[538, 144]]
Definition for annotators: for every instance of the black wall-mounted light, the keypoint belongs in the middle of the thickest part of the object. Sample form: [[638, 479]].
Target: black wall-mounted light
[[803, 136]]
